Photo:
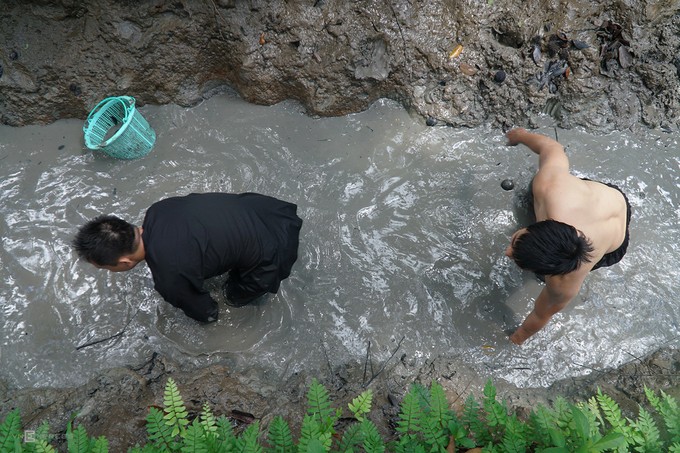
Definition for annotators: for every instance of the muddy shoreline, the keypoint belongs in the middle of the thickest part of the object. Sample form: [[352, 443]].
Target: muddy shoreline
[[115, 403], [603, 65]]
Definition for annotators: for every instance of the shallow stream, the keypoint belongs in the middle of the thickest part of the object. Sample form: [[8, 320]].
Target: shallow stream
[[402, 246]]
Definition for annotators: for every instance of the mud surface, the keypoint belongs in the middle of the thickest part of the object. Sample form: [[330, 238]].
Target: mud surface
[[115, 403], [606, 65]]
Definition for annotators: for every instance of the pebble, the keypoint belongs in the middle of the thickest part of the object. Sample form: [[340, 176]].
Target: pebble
[[507, 184], [431, 121], [500, 76], [14, 55]]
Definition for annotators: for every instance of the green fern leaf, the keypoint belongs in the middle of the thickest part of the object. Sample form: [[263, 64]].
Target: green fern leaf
[[247, 442], [315, 446], [675, 448], [77, 440], [194, 440], [472, 419], [280, 436], [10, 430], [433, 435], [41, 446], [158, 432], [514, 438], [100, 445], [361, 405], [411, 414], [318, 402], [208, 421], [175, 410], [223, 439], [541, 421], [373, 443], [671, 415], [646, 434], [352, 437], [439, 406], [611, 411]]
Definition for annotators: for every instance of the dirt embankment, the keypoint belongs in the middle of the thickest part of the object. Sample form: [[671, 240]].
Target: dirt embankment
[[605, 65], [116, 402]]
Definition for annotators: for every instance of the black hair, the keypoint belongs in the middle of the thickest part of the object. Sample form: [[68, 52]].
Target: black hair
[[104, 240], [550, 247]]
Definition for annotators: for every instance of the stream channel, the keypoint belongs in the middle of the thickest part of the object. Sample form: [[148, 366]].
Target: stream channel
[[402, 246]]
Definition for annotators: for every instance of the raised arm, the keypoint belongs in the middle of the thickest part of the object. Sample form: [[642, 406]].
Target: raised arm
[[550, 153]]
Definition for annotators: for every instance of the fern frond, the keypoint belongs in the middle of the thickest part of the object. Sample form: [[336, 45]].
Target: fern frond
[[175, 410], [77, 439], [671, 415], [646, 434], [361, 405], [310, 430], [514, 437], [41, 446], [223, 439], [675, 448], [439, 406], [352, 437], [612, 412], [280, 436], [194, 439], [247, 442], [208, 421], [410, 414], [318, 402], [472, 419], [158, 432], [10, 430], [100, 445], [541, 421], [433, 435], [373, 443]]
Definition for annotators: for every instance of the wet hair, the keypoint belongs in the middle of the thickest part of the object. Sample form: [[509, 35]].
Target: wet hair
[[550, 247], [104, 240]]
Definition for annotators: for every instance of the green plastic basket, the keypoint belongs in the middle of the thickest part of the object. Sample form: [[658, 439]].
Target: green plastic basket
[[116, 128]]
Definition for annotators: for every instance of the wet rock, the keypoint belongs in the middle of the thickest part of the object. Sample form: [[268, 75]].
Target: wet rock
[[431, 121], [14, 55], [508, 184], [499, 77]]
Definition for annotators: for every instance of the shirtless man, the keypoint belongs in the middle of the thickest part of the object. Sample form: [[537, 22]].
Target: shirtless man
[[581, 225]]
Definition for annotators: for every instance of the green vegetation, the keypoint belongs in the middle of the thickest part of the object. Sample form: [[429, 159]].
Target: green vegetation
[[426, 424]]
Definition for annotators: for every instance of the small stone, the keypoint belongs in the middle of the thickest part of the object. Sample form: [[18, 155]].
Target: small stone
[[61, 147], [507, 184], [499, 77], [14, 55], [431, 121]]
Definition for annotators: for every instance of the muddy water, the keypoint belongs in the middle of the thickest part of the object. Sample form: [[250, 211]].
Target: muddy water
[[402, 246]]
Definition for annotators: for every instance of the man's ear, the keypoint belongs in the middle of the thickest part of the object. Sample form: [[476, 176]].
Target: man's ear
[[126, 261]]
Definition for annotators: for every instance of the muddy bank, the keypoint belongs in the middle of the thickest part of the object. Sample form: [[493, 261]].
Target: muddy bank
[[605, 65], [115, 403]]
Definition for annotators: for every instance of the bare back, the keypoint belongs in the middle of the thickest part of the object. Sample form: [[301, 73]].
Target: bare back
[[595, 209]]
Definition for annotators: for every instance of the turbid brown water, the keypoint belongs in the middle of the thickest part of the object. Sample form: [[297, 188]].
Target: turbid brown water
[[403, 240]]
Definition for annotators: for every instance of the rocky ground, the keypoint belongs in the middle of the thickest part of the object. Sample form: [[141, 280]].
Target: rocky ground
[[604, 65]]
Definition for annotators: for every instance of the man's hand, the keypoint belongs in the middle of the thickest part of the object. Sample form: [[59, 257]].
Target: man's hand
[[515, 136]]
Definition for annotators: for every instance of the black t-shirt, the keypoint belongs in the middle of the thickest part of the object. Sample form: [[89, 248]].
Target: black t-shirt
[[188, 239]]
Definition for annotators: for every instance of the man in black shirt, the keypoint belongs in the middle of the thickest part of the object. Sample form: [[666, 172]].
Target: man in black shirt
[[185, 240]]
